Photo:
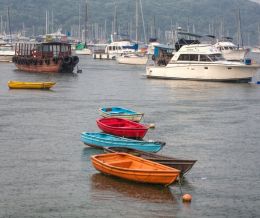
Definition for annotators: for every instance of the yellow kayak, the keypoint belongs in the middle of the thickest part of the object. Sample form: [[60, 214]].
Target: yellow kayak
[[30, 85]]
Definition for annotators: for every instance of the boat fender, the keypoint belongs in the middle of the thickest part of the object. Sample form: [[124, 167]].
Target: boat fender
[[75, 60], [153, 58], [67, 60]]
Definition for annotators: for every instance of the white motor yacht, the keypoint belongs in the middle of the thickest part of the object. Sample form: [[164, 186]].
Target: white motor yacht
[[202, 62]]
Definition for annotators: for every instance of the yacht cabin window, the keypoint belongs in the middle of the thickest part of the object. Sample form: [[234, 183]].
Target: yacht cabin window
[[204, 58], [216, 57], [188, 57]]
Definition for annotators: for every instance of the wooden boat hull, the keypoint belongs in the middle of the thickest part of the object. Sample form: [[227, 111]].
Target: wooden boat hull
[[30, 85], [121, 113], [101, 140], [133, 168], [44, 68], [183, 165], [122, 127]]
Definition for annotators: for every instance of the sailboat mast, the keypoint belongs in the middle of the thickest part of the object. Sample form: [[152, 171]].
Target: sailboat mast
[[258, 34], [136, 21], [86, 23], [1, 30], [142, 14], [115, 29], [46, 22], [240, 39], [8, 16], [79, 32]]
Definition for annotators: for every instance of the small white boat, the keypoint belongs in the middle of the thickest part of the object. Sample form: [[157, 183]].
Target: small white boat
[[6, 52], [84, 51], [115, 49], [202, 62], [132, 58]]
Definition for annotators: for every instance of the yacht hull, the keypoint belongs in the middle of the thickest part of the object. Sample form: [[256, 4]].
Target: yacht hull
[[209, 72]]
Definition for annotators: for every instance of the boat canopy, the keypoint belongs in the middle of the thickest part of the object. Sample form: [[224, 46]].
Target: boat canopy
[[46, 49], [81, 46], [165, 49], [135, 47]]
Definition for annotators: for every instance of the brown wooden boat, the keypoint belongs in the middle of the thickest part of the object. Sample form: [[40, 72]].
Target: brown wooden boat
[[46, 57], [134, 168], [183, 165]]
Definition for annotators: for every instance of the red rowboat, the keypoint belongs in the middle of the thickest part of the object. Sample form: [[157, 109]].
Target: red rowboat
[[122, 127]]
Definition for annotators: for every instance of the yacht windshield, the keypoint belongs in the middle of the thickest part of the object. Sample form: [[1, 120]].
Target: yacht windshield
[[216, 57]]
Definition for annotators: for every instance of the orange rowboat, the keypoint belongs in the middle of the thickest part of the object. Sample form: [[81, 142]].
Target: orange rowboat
[[134, 168]]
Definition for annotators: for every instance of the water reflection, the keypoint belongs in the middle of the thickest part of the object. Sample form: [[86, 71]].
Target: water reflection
[[89, 151], [188, 85], [144, 192]]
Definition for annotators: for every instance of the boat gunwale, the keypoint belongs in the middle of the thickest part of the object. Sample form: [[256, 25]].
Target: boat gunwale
[[125, 109], [152, 148], [150, 163], [140, 128], [150, 155], [121, 139]]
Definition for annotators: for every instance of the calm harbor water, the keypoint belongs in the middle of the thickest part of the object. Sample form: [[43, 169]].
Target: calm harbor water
[[46, 170]]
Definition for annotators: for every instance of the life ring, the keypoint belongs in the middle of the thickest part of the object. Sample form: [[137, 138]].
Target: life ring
[[67, 60], [75, 60]]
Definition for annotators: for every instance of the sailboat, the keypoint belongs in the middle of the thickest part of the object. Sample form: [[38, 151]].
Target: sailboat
[[134, 58], [6, 49], [81, 48]]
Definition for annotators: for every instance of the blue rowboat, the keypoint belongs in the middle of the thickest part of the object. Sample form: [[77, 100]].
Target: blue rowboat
[[120, 112], [101, 140]]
